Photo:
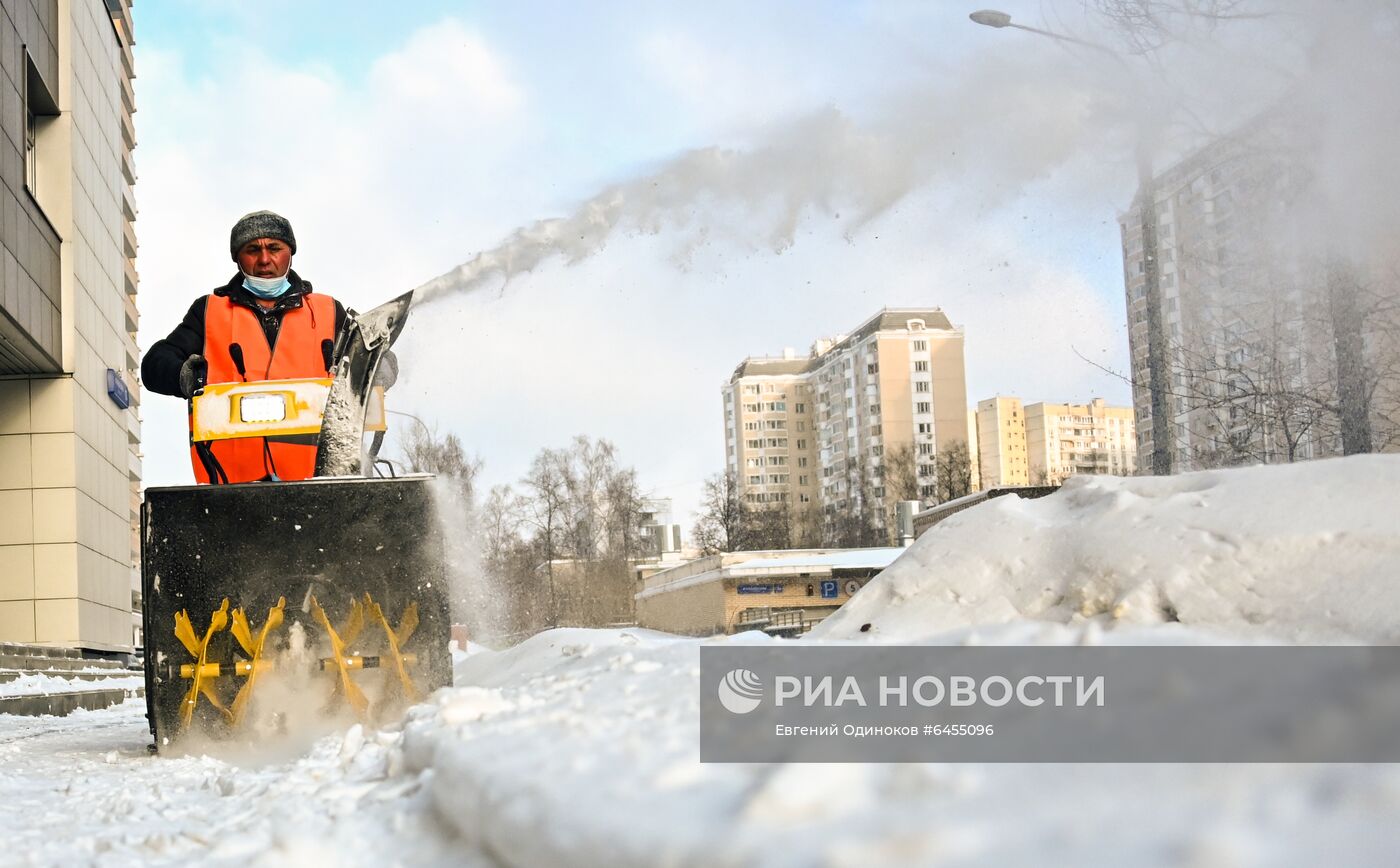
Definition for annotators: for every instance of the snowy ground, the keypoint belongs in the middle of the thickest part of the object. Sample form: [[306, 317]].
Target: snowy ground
[[580, 747]]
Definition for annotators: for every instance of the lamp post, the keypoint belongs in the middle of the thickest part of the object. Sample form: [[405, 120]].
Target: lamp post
[[1158, 370], [422, 426]]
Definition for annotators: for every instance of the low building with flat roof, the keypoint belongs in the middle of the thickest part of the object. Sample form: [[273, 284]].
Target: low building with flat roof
[[779, 592]]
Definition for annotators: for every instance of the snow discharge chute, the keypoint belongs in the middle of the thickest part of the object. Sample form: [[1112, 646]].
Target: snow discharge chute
[[276, 607]]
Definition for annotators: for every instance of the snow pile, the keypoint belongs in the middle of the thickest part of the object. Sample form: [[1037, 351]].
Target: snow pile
[[1304, 553], [582, 746], [35, 683]]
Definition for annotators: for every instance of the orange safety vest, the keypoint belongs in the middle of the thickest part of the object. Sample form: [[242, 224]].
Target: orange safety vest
[[297, 354]]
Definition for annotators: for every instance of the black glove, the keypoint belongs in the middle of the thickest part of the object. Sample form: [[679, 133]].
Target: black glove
[[387, 374], [193, 374]]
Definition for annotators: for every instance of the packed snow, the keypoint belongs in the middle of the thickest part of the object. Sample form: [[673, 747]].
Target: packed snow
[[1303, 553], [580, 747], [33, 683]]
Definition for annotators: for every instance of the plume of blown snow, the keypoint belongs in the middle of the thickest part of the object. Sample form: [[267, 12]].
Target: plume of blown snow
[[1015, 111]]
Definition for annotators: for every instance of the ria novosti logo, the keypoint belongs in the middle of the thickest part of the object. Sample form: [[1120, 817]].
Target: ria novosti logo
[[740, 691]]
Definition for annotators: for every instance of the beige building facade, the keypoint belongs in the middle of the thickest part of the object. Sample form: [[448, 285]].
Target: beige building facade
[[823, 430], [1001, 443], [69, 431], [1065, 439], [1043, 444], [779, 592]]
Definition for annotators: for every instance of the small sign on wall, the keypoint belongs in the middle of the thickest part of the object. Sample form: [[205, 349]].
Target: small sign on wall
[[117, 390], [761, 589]]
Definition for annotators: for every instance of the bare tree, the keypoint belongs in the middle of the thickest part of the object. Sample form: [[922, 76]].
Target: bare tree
[[426, 452], [902, 473], [952, 471], [723, 524], [850, 522], [771, 527]]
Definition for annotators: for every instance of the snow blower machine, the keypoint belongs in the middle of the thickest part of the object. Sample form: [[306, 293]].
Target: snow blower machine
[[274, 608]]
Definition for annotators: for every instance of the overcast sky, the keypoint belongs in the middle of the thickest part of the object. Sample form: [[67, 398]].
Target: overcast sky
[[883, 154]]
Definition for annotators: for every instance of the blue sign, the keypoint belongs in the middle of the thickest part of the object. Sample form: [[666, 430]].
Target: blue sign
[[829, 590], [117, 390], [761, 589]]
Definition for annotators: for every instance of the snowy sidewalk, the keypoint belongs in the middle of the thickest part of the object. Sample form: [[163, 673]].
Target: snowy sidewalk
[[83, 790]]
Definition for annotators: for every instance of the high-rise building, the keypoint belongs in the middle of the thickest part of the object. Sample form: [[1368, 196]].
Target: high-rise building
[[1001, 443], [1042, 444], [855, 425], [1252, 314], [1065, 439], [69, 431]]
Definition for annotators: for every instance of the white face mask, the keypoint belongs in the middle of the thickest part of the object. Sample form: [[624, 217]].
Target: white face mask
[[267, 287]]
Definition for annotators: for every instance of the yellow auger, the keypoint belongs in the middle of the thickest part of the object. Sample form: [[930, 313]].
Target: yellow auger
[[203, 673], [339, 641], [397, 639], [199, 676], [254, 649]]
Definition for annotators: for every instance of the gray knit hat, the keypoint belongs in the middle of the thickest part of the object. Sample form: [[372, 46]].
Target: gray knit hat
[[260, 224]]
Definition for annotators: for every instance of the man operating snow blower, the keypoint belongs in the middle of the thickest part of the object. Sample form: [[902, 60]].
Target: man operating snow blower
[[318, 584], [266, 323]]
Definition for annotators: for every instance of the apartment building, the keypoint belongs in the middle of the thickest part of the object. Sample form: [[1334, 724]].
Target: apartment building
[[1002, 456], [1043, 444], [857, 423], [1247, 312], [1065, 439], [69, 432]]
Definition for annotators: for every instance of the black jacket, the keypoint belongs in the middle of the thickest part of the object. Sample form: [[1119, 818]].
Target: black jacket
[[160, 369]]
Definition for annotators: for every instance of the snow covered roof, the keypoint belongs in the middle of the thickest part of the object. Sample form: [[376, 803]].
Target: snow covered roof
[[850, 559], [803, 563]]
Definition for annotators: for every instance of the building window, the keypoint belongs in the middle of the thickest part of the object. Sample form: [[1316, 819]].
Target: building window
[[920, 346], [921, 386], [921, 407], [925, 427], [921, 366], [39, 111], [800, 408]]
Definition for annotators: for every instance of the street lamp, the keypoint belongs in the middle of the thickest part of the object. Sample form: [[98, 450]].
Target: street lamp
[[991, 18], [1157, 367]]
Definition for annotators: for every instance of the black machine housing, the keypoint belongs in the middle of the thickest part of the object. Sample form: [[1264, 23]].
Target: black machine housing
[[334, 538]]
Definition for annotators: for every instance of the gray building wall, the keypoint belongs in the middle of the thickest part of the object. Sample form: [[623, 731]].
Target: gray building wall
[[30, 291], [69, 453]]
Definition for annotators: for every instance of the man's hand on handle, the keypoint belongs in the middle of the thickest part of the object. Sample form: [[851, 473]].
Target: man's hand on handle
[[193, 374]]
